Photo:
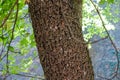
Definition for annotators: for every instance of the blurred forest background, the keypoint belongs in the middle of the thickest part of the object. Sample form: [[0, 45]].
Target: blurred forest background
[[101, 29]]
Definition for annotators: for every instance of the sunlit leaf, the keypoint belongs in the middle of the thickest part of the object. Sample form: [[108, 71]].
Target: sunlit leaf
[[24, 42]]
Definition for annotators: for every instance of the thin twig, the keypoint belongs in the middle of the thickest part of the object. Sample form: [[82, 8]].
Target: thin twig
[[117, 66], [1, 26], [2, 44], [38, 77], [95, 41], [7, 62], [8, 15], [2, 50]]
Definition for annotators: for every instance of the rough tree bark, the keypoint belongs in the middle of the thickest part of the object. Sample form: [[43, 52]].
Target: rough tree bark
[[58, 33]]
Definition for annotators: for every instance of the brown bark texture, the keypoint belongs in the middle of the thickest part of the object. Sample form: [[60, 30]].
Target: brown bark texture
[[58, 33]]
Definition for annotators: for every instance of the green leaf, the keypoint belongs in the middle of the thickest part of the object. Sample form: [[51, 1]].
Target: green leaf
[[11, 48], [27, 34], [102, 2], [0, 39], [24, 42], [4, 39], [14, 69], [110, 1]]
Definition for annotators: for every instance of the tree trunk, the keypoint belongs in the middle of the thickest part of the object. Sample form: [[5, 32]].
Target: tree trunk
[[58, 33]]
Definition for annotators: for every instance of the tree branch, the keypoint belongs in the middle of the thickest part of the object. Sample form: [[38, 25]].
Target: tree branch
[[95, 41], [38, 77], [7, 62], [116, 50]]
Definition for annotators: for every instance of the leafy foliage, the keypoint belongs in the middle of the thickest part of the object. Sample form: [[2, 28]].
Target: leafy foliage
[[106, 1], [23, 39]]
